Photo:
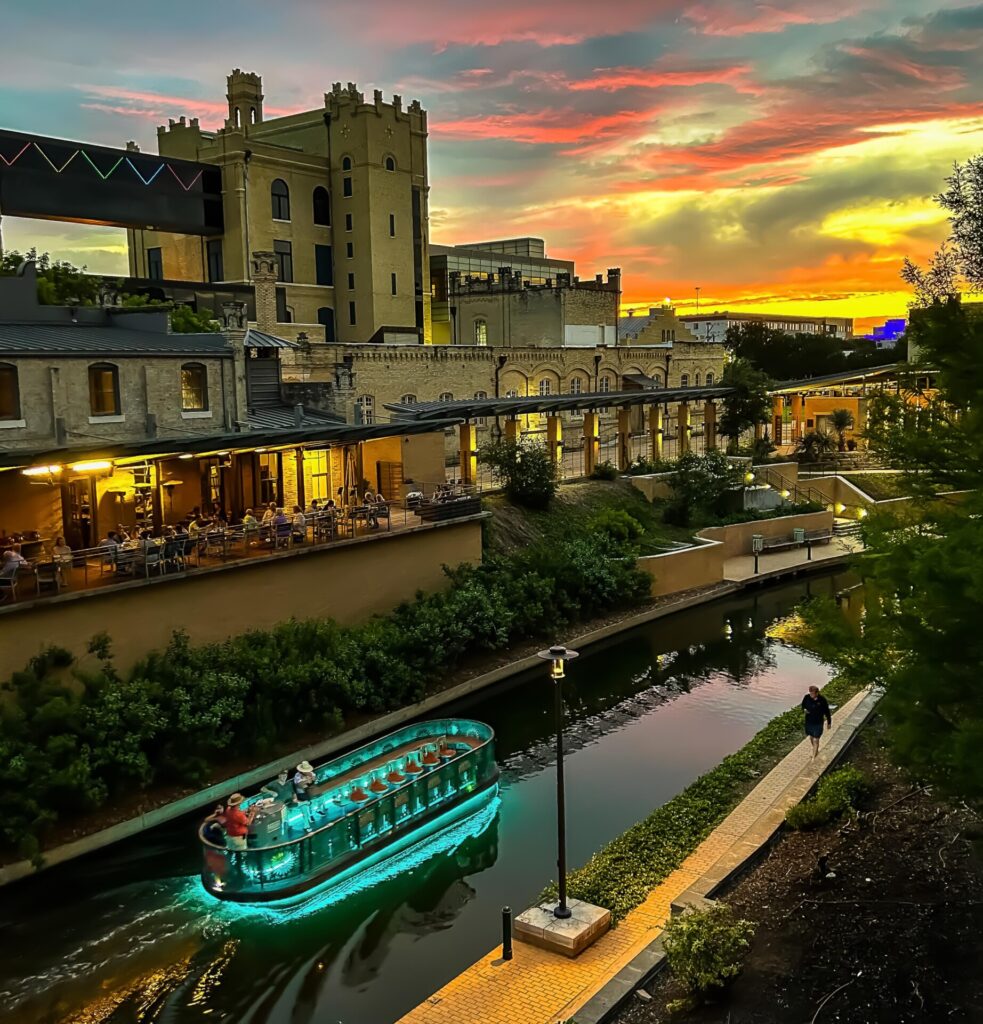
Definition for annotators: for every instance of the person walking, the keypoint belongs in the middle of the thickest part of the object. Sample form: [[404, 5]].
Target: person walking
[[816, 707]]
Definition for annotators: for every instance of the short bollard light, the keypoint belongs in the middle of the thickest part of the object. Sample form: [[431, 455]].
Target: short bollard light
[[506, 933]]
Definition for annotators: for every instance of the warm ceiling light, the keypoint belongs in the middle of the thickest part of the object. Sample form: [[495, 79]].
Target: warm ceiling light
[[187, 455], [91, 467], [41, 470]]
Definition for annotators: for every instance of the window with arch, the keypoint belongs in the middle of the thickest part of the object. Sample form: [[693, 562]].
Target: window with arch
[[684, 380], [696, 379], [481, 332], [576, 386], [709, 377], [252, 115], [325, 317], [605, 384], [545, 386], [280, 199], [238, 118], [322, 206], [194, 387], [445, 396], [104, 390], [390, 163], [511, 393], [479, 395], [407, 399], [346, 163], [365, 409], [9, 392]]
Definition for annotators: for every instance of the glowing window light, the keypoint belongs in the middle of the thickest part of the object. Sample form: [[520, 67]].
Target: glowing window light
[[41, 471], [91, 467]]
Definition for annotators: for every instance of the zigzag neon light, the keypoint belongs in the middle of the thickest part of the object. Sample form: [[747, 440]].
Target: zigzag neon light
[[191, 184], [57, 170], [10, 163], [146, 181], [96, 169]]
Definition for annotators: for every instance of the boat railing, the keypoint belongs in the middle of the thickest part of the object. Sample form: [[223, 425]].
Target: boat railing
[[423, 787]]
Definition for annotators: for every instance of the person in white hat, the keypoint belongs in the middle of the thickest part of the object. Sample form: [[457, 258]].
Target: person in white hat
[[303, 780], [236, 823]]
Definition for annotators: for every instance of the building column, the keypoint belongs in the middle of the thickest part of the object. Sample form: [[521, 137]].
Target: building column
[[796, 417], [554, 441], [513, 429], [682, 428], [655, 433], [709, 426], [592, 442], [778, 418], [624, 439], [469, 455]]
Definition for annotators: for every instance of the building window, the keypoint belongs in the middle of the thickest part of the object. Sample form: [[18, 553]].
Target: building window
[[322, 207], [351, 281], [194, 387], [213, 254], [325, 316], [284, 260], [481, 332], [349, 222], [9, 393], [280, 198], [696, 380], [392, 225], [323, 271], [103, 390], [511, 393], [346, 163], [393, 282], [365, 409], [351, 313], [350, 250], [605, 384], [283, 313], [576, 386], [479, 396], [545, 387], [390, 164], [445, 396], [407, 399], [709, 378], [346, 187], [684, 380], [155, 265]]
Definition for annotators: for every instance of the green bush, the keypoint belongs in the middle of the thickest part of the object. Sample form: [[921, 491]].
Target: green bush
[[617, 525], [68, 747], [527, 472], [705, 948], [837, 794], [622, 873], [605, 471]]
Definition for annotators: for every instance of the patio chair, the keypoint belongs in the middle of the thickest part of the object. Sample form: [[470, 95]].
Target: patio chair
[[8, 588], [283, 531], [48, 576], [152, 559]]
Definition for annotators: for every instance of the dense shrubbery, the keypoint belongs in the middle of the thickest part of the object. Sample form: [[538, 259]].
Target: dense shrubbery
[[606, 470], [72, 742], [528, 474], [620, 876], [836, 795]]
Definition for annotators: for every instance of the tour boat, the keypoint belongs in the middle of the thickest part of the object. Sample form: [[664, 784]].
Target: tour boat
[[364, 807]]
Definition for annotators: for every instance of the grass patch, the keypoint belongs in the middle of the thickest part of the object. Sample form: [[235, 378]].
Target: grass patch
[[881, 486], [620, 876]]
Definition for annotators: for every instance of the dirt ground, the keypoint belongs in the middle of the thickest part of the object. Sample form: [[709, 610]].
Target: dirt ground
[[896, 936]]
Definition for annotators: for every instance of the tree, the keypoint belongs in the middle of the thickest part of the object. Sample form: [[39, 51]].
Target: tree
[[964, 201], [936, 283], [749, 403], [813, 445], [59, 283], [700, 483], [525, 469], [184, 320], [841, 420]]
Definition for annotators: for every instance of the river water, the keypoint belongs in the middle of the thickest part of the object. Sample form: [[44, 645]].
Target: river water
[[127, 935]]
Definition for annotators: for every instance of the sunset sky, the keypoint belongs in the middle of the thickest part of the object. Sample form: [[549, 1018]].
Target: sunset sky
[[780, 156]]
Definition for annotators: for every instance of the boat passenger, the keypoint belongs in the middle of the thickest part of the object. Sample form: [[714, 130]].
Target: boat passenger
[[236, 823], [303, 780], [212, 826], [281, 788]]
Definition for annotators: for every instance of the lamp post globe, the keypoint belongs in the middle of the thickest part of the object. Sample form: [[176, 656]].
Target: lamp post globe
[[558, 656]]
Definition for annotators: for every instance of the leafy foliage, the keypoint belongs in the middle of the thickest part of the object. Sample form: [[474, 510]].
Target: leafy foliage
[[617, 525], [836, 795], [71, 746], [605, 471], [621, 875], [705, 948], [841, 420], [700, 483], [813, 445], [748, 405], [963, 199], [525, 468], [184, 320]]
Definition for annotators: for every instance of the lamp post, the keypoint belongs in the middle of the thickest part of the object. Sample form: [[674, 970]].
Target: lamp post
[[557, 656]]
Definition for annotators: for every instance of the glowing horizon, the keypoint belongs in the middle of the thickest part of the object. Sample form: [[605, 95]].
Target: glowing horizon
[[781, 157]]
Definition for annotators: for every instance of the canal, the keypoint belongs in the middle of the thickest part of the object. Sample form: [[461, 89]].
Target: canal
[[127, 935]]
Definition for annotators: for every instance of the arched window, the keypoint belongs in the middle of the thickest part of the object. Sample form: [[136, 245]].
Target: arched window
[[365, 409], [696, 380], [709, 377], [407, 399], [446, 396], [322, 206], [103, 390], [479, 395], [481, 332], [545, 386], [9, 392], [511, 393], [684, 380], [325, 316], [390, 164], [346, 163], [605, 384], [252, 115], [194, 387], [280, 197], [238, 118], [576, 386]]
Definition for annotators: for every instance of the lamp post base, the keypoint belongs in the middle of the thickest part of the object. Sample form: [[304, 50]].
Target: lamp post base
[[562, 912], [568, 936]]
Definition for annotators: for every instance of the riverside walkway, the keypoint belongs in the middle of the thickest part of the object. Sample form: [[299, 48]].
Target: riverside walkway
[[538, 987], [740, 569]]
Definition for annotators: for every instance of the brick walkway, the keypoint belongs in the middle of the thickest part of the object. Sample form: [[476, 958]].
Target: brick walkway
[[538, 987], [741, 567]]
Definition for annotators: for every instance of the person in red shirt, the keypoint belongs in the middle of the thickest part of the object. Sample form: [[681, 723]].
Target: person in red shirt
[[236, 823]]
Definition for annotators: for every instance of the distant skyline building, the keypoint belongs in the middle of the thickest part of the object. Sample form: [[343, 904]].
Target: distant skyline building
[[713, 326], [887, 334]]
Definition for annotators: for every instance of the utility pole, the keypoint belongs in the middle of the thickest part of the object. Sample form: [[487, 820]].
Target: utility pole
[[697, 298]]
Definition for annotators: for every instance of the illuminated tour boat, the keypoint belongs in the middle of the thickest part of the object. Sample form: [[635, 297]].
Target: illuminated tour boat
[[363, 808]]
